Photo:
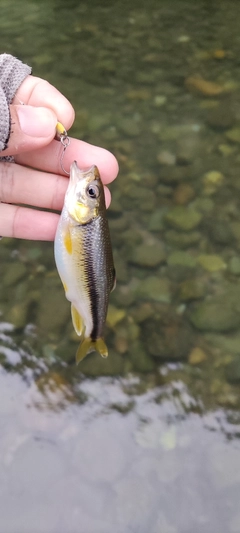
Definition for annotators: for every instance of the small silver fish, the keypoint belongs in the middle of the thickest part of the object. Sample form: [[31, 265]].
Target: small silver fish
[[83, 256]]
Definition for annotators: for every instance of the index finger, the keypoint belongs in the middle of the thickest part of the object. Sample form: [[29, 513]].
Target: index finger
[[40, 93], [49, 159]]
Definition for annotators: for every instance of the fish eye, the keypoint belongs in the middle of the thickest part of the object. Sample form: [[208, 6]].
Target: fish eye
[[93, 191]]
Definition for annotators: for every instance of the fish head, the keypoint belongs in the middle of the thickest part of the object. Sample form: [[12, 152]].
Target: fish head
[[85, 195]]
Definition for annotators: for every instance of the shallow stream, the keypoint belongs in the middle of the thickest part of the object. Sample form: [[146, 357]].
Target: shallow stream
[[147, 440]]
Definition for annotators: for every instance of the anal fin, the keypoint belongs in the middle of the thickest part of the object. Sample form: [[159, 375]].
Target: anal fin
[[77, 321]]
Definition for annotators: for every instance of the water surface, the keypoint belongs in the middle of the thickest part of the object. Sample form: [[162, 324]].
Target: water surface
[[149, 439]]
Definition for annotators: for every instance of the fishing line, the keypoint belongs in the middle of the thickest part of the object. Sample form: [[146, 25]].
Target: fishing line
[[62, 136]]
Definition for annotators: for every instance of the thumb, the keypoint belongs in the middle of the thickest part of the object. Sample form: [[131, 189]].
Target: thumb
[[31, 128]]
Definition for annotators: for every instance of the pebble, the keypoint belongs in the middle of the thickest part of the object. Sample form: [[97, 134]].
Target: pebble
[[17, 314], [197, 356], [159, 100], [216, 314], [183, 219], [191, 289], [166, 158], [94, 365], [114, 315], [53, 309], [155, 221], [204, 205], [175, 173], [142, 312], [220, 117], [138, 94], [205, 87], [211, 263], [13, 273], [228, 344], [182, 240], [188, 148], [171, 338], [219, 53], [234, 265], [226, 150], [212, 181], [232, 370], [140, 358], [183, 194], [235, 228], [155, 288], [180, 258], [233, 135], [148, 255], [220, 231], [130, 127]]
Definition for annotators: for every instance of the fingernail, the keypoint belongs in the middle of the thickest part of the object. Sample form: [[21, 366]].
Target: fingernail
[[36, 121]]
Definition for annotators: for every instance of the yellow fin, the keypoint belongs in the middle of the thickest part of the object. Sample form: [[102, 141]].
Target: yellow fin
[[77, 321], [68, 241], [88, 346]]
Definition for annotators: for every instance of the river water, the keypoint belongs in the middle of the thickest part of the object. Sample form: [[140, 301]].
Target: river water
[[147, 440]]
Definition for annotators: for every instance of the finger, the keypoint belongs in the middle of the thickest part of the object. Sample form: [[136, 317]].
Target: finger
[[39, 93], [24, 223], [20, 185], [48, 158], [31, 128]]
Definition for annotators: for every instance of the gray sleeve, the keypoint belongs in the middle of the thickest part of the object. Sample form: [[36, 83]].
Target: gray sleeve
[[12, 74]]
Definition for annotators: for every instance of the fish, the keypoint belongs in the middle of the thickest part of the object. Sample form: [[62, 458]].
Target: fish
[[84, 259]]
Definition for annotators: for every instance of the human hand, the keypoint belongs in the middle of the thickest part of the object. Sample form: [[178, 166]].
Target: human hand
[[33, 145]]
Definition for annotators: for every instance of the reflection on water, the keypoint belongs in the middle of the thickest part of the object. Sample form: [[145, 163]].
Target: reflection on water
[[151, 434]]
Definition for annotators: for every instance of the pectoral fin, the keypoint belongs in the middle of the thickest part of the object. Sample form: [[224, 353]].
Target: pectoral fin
[[88, 346], [114, 280], [77, 321]]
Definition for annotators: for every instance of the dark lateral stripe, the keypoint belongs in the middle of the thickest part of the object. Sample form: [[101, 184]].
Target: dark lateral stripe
[[92, 288]]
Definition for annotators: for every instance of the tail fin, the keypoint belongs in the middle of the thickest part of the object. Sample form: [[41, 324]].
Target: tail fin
[[88, 346]]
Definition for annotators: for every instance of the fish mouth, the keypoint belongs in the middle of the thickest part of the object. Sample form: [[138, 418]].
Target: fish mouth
[[82, 174]]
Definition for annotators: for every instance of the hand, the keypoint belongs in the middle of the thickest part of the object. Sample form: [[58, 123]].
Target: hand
[[33, 145]]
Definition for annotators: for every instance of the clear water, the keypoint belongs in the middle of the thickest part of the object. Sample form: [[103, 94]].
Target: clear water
[[149, 439]]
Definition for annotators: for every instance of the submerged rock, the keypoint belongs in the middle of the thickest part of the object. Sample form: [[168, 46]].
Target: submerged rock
[[154, 288], [168, 337], [148, 255], [114, 315], [233, 135], [18, 314], [211, 262], [220, 313], [182, 259], [197, 356], [53, 310], [212, 180], [191, 289], [14, 272], [95, 365], [205, 87], [140, 358], [182, 240], [220, 117], [182, 218], [234, 265], [232, 370], [183, 194]]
